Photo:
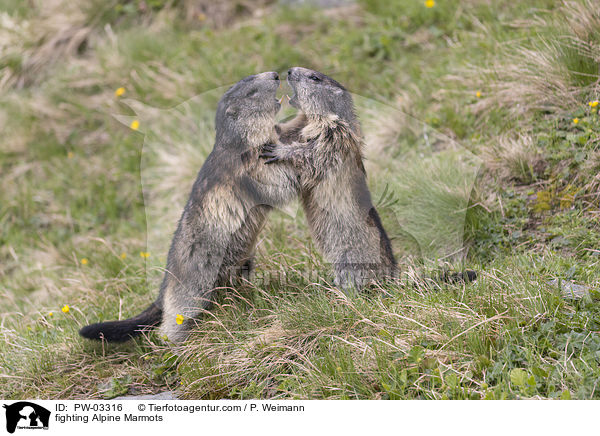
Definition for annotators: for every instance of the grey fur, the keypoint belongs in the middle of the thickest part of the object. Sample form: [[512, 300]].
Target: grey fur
[[226, 210], [324, 144]]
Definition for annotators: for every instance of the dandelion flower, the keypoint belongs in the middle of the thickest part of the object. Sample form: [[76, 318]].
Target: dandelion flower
[[119, 92], [478, 94], [179, 319], [84, 261], [70, 155], [429, 3], [65, 308], [593, 103], [135, 124], [144, 254], [575, 120], [50, 313], [123, 255]]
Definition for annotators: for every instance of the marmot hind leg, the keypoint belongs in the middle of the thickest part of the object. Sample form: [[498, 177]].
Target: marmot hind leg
[[188, 291], [350, 278], [178, 317]]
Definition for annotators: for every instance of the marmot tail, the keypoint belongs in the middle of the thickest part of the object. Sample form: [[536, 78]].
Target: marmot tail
[[121, 331]]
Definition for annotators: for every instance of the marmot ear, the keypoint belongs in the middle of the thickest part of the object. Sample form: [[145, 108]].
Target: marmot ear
[[338, 91], [232, 111]]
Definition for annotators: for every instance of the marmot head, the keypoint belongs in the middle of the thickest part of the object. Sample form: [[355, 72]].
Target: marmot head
[[318, 94], [248, 109]]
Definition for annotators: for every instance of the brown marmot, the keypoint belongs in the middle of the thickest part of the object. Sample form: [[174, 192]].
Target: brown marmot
[[324, 144]]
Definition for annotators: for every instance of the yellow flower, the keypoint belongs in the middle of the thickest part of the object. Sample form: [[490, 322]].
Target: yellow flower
[[478, 94], [66, 308], [135, 124], [70, 155], [593, 103], [119, 92], [201, 17], [575, 120], [179, 319], [429, 3], [84, 261], [144, 254], [123, 255], [50, 313]]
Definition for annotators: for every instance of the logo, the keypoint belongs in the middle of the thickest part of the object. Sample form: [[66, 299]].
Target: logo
[[26, 415]]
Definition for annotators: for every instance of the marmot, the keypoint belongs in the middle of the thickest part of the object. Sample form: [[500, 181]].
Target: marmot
[[324, 144], [226, 210]]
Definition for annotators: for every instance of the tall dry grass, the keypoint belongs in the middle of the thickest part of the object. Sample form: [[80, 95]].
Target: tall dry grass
[[553, 73]]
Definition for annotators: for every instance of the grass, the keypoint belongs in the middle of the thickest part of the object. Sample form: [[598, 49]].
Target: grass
[[473, 156]]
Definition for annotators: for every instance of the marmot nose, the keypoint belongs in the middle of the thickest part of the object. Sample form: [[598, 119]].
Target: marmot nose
[[269, 75]]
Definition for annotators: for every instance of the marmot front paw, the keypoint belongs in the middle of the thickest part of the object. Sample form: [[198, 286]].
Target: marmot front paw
[[269, 154]]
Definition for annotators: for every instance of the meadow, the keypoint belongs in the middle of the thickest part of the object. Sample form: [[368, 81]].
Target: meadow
[[482, 152]]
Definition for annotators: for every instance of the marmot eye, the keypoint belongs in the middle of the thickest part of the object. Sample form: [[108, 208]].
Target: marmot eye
[[252, 93], [314, 78]]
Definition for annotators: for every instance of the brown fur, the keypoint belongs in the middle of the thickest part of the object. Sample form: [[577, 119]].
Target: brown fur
[[325, 147]]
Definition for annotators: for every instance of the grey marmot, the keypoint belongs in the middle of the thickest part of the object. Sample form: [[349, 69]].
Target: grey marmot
[[227, 208]]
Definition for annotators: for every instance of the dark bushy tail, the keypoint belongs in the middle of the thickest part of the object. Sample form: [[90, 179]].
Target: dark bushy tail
[[121, 331], [467, 276], [446, 277]]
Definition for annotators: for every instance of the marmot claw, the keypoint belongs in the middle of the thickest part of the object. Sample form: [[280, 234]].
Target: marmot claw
[[269, 154]]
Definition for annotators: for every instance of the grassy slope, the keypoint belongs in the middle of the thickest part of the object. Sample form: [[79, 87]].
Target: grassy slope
[[70, 190]]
